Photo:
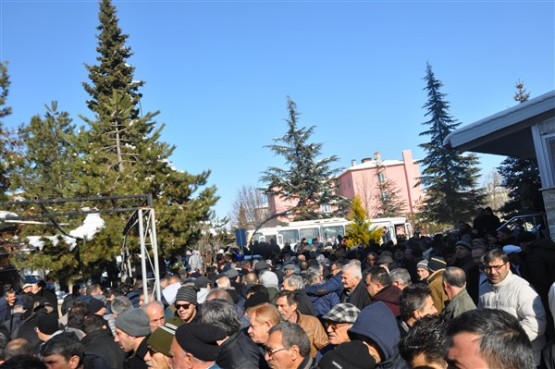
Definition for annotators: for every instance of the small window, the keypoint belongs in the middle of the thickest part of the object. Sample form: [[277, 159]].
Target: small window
[[381, 177], [549, 152]]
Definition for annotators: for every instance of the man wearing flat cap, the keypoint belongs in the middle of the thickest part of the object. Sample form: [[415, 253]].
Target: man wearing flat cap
[[132, 329], [195, 346]]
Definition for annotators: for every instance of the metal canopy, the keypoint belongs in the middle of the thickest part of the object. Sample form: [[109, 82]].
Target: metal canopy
[[508, 132]]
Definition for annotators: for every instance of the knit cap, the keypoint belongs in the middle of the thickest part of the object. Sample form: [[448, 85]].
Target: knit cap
[[187, 293], [134, 322], [48, 324], [436, 263], [199, 339], [422, 264]]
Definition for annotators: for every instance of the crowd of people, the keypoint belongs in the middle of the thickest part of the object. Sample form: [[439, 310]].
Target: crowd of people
[[480, 297]]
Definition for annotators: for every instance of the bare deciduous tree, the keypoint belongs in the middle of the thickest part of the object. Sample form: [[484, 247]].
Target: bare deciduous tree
[[249, 208]]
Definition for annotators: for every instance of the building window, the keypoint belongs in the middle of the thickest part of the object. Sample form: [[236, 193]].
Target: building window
[[550, 156], [381, 177]]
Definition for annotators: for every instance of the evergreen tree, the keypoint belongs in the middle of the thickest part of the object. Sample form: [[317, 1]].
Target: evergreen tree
[[6, 154], [358, 231], [521, 176], [389, 200], [48, 168], [120, 153], [112, 72], [450, 177], [307, 181]]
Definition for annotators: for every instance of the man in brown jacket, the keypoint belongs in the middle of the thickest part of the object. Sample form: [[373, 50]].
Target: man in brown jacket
[[286, 303]]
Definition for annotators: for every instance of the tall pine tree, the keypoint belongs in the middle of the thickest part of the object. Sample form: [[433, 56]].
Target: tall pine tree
[[122, 154], [521, 176], [307, 181], [449, 177], [6, 143]]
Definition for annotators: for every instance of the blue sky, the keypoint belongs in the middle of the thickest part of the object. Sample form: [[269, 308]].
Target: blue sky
[[220, 71]]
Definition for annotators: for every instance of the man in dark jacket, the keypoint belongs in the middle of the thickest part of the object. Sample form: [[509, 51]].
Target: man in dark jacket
[[132, 331], [40, 291], [237, 350], [377, 327], [354, 291], [99, 340]]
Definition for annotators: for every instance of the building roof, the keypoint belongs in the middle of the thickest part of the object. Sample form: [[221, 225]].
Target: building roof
[[371, 163], [507, 132]]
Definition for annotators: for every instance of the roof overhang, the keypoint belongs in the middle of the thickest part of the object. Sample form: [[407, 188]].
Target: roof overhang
[[506, 133]]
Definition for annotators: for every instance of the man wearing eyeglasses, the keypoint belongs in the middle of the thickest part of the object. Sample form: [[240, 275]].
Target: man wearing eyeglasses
[[338, 321], [288, 347], [508, 292]]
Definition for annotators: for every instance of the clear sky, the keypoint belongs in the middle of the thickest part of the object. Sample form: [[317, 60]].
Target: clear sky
[[220, 71]]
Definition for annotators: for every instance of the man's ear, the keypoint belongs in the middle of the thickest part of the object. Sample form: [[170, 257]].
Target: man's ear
[[295, 352], [74, 362], [416, 314]]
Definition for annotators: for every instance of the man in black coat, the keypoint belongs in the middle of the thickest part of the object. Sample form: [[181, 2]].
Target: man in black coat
[[237, 350], [354, 291], [99, 340]]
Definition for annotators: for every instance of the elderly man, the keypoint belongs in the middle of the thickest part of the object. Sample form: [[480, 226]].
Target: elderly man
[[354, 288], [454, 284], [295, 283], [400, 277], [287, 305], [488, 338], [288, 347], [155, 312], [195, 346], [338, 321], [508, 292], [261, 318]]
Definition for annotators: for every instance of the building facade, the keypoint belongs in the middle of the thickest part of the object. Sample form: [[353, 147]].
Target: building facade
[[367, 180]]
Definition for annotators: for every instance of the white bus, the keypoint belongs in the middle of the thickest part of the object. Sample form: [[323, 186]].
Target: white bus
[[326, 230]]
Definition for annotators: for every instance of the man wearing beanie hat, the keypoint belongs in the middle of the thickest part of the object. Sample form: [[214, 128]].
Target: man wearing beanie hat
[[422, 270], [47, 326], [132, 328], [186, 305], [195, 346], [437, 266]]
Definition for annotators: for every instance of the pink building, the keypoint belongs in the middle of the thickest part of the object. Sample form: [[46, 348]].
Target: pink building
[[363, 180]]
